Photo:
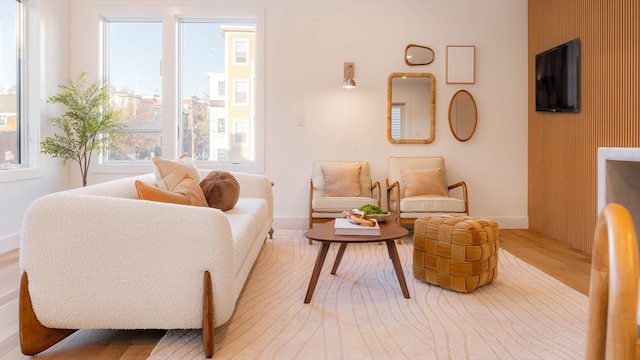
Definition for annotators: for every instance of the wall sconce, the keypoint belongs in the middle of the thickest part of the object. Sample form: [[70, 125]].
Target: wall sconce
[[348, 82]]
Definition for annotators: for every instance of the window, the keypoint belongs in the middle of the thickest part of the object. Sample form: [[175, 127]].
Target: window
[[133, 54], [176, 82], [11, 43], [397, 118], [240, 96], [240, 132], [209, 54], [241, 47], [222, 155]]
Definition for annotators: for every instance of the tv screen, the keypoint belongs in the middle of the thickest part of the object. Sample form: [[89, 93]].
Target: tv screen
[[558, 78]]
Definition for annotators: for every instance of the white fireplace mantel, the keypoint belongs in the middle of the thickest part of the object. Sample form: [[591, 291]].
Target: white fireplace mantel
[[619, 179]]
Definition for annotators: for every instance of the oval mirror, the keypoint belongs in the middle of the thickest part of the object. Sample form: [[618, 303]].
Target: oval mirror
[[463, 115], [418, 55], [411, 108]]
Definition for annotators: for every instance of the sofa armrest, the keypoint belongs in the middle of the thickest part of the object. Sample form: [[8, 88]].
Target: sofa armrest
[[104, 262], [255, 185]]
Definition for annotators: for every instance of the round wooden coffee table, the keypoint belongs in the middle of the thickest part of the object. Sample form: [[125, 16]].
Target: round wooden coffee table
[[324, 233]]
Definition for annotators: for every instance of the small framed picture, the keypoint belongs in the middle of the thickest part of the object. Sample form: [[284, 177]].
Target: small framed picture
[[461, 64]]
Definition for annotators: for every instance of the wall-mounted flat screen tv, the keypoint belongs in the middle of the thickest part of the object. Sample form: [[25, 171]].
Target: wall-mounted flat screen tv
[[558, 78]]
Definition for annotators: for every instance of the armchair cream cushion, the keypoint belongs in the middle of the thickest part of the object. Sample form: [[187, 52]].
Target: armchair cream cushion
[[431, 204]]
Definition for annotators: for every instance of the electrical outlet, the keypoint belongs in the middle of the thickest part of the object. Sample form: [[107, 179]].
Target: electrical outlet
[[301, 120]]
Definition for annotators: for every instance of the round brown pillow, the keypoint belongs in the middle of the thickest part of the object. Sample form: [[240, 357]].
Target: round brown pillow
[[221, 189]]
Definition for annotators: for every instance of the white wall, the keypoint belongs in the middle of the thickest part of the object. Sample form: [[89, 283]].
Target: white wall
[[48, 54], [307, 43]]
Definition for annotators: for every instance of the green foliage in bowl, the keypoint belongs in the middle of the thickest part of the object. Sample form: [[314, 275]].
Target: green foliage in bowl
[[371, 209]]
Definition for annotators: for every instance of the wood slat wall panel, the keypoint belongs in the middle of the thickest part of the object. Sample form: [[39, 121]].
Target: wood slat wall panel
[[563, 146]]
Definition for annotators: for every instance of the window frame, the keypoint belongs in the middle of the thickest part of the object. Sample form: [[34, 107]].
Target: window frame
[[97, 11], [29, 101]]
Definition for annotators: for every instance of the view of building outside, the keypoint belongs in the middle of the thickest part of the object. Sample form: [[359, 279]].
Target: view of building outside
[[9, 72], [134, 52], [232, 98], [217, 82]]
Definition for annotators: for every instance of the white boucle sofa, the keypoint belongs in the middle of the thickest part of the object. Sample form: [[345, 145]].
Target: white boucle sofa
[[98, 258]]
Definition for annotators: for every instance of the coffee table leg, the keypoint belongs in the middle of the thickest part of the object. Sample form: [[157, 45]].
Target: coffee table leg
[[336, 263], [322, 254], [393, 254]]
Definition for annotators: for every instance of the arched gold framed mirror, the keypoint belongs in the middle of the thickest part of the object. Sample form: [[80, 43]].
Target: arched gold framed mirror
[[463, 115], [418, 55], [411, 108]]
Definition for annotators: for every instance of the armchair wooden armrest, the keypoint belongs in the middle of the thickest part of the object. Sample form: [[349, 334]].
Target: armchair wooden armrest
[[376, 186], [464, 194], [310, 203], [394, 186]]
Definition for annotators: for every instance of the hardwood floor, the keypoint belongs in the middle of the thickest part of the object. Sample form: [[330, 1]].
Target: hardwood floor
[[566, 264]]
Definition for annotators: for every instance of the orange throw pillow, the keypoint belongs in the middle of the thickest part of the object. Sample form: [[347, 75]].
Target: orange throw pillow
[[185, 192]]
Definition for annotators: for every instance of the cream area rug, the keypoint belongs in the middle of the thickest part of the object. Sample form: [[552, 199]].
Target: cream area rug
[[360, 312]]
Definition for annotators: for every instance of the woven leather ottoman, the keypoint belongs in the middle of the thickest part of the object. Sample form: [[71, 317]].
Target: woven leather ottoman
[[455, 252]]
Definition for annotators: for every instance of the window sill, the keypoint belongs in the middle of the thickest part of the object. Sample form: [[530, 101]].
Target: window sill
[[20, 173]]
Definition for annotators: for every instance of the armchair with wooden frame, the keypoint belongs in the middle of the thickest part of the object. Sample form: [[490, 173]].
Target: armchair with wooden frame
[[613, 292], [417, 186], [336, 186]]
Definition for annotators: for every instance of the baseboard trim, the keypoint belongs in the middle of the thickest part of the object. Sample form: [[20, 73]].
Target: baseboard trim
[[9, 243], [510, 222], [302, 222], [295, 223]]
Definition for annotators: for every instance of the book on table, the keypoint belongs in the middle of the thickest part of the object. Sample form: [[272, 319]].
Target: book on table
[[346, 227]]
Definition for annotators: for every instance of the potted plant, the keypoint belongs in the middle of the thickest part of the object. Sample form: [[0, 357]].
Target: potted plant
[[87, 125]]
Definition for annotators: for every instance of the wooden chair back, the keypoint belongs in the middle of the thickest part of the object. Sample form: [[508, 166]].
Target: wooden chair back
[[613, 293]]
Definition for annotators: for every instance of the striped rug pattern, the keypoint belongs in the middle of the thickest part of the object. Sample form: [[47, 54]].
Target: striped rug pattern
[[360, 312]]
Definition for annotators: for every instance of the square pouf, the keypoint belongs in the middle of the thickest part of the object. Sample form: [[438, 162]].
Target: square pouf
[[455, 252]]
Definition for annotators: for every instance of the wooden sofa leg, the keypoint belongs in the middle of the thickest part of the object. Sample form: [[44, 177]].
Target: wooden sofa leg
[[207, 316], [35, 337]]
